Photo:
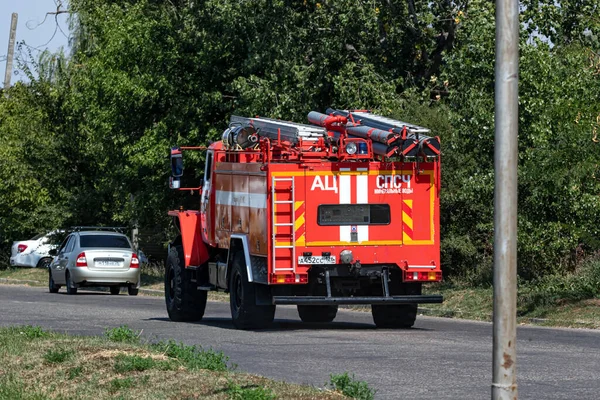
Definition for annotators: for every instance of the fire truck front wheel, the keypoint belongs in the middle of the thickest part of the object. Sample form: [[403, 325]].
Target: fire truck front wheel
[[394, 316], [185, 302], [242, 296], [317, 313]]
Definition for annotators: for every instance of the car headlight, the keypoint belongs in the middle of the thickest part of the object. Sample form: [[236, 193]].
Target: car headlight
[[351, 148]]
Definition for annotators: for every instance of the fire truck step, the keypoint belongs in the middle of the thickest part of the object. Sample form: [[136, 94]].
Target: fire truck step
[[207, 288], [284, 224], [283, 202], [323, 300]]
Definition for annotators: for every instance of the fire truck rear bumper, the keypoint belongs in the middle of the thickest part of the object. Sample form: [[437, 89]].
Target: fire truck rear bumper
[[324, 300]]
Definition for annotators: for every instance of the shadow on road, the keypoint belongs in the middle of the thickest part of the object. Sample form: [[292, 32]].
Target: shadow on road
[[280, 325]]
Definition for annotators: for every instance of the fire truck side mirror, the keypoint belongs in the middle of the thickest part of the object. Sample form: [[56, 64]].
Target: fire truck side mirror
[[174, 183]]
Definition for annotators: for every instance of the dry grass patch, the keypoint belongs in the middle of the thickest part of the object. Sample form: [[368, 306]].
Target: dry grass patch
[[97, 368]]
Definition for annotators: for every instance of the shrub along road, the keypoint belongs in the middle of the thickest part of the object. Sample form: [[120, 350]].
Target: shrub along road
[[439, 358]]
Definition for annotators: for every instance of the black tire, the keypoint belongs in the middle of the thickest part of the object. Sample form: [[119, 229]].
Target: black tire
[[394, 316], [317, 313], [185, 303], [115, 290], [70, 288], [132, 290], [44, 262], [242, 299], [52, 287]]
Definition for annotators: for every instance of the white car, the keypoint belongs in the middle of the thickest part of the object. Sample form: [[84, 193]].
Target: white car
[[34, 252]]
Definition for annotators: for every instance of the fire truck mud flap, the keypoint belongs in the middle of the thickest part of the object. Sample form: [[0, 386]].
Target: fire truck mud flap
[[325, 300]]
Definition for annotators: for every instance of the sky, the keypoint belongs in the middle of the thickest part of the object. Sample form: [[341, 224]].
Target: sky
[[36, 32]]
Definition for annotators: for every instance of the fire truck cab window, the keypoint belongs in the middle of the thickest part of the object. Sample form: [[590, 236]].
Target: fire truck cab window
[[208, 169], [354, 214]]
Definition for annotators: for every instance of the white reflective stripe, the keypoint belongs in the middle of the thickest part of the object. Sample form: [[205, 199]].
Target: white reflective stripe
[[362, 197], [422, 266], [345, 198], [252, 200]]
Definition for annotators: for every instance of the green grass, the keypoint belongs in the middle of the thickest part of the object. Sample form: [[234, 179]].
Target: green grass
[[122, 334], [97, 368], [351, 387]]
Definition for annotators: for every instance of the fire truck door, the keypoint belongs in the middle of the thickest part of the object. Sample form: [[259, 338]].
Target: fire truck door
[[205, 206]]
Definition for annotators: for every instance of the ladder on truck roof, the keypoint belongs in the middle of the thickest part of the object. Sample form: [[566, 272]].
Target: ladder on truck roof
[[283, 234], [274, 128]]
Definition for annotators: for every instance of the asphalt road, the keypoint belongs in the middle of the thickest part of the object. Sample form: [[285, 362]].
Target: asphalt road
[[437, 359]]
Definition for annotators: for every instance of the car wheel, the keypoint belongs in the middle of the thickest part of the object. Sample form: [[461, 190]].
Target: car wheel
[[132, 290], [242, 299], [183, 299], [44, 263], [52, 287], [115, 290], [71, 289]]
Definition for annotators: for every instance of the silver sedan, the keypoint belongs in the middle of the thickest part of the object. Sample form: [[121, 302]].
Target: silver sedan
[[95, 258]]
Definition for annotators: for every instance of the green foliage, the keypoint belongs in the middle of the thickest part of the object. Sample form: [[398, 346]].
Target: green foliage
[[58, 355], [13, 388], [122, 334], [193, 357], [351, 387], [126, 363], [32, 332], [560, 288], [75, 372], [121, 383], [145, 75], [238, 392]]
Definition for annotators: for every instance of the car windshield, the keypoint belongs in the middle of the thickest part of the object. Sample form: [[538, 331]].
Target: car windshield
[[36, 237], [119, 242]]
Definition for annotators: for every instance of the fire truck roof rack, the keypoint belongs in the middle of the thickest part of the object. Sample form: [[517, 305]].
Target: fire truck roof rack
[[275, 129]]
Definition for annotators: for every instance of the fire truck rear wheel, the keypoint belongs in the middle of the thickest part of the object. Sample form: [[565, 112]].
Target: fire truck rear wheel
[[242, 298], [394, 316], [184, 301], [317, 313]]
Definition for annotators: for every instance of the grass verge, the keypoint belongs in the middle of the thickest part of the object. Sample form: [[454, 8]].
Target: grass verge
[[73, 367]]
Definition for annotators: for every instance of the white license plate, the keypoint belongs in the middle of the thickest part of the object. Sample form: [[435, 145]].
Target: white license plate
[[316, 260], [108, 263]]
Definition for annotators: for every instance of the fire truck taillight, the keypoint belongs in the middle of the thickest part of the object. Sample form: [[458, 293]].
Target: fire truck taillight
[[289, 278], [427, 276], [81, 260]]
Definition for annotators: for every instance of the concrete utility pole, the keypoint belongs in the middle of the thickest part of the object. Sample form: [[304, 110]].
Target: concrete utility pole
[[504, 384], [11, 51]]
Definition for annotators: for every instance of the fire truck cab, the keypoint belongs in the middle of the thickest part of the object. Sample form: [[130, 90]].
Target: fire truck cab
[[344, 210]]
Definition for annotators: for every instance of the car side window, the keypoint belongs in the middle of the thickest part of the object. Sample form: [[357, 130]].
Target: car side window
[[63, 245], [71, 244]]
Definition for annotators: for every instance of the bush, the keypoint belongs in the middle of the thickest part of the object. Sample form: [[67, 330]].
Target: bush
[[237, 392], [122, 334], [558, 288], [33, 332], [351, 387], [193, 357], [58, 355]]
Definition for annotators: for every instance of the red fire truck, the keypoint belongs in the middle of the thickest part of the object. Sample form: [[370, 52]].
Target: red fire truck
[[344, 210]]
